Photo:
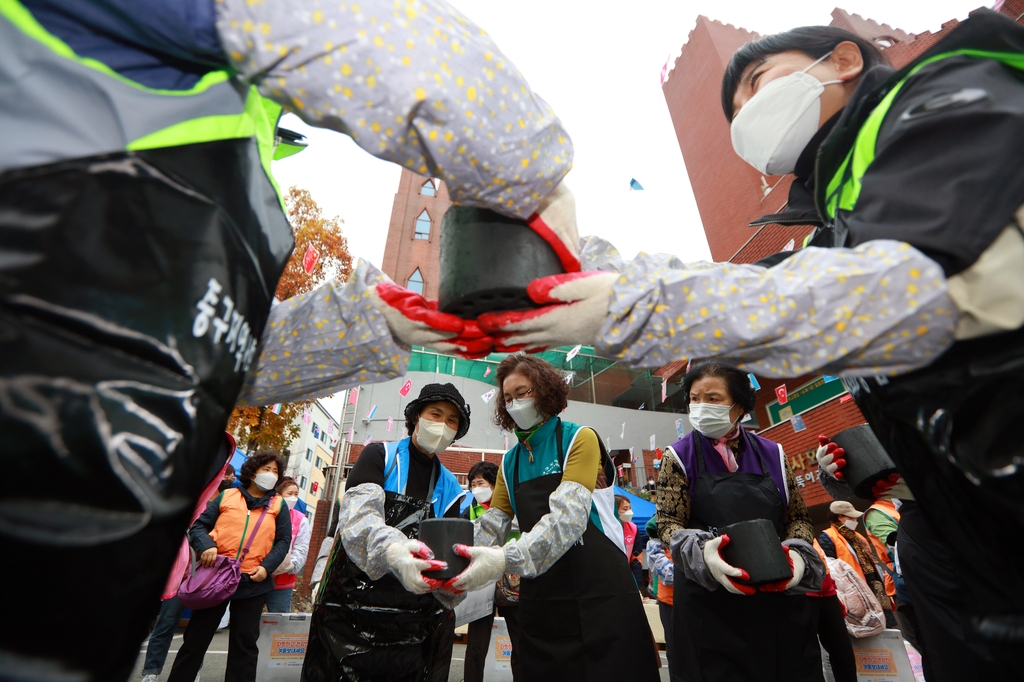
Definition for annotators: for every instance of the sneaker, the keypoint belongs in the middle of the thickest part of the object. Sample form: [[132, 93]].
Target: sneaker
[[150, 678]]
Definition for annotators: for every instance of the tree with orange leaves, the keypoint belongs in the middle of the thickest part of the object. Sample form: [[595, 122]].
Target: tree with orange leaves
[[259, 428]]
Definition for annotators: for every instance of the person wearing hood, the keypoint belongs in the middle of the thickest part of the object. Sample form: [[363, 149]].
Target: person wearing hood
[[378, 618], [717, 475], [580, 614], [482, 478]]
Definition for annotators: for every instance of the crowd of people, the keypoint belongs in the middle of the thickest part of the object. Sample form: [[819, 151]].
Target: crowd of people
[[143, 235]]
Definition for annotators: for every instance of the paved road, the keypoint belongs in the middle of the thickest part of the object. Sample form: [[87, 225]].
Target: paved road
[[216, 658]]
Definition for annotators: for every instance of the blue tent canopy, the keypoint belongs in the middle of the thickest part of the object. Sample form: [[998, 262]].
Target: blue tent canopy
[[642, 509]]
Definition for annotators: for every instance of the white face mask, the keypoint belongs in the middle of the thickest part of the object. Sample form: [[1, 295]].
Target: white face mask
[[434, 437], [774, 127], [711, 420], [482, 494], [626, 516], [524, 414], [290, 501], [851, 524], [265, 481]]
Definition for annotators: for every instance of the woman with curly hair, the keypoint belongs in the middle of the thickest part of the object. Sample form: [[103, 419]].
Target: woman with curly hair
[[226, 527], [580, 612]]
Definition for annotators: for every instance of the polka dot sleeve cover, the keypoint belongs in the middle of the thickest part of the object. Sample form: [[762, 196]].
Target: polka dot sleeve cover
[[411, 81], [881, 308]]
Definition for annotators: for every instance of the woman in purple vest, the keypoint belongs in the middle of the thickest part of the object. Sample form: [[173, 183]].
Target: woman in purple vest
[[717, 475]]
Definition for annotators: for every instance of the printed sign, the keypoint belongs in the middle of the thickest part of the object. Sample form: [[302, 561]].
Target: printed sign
[[309, 259], [876, 662]]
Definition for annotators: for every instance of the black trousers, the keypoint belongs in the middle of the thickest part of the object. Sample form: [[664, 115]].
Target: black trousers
[[831, 625], [949, 648], [243, 654], [479, 637], [665, 612]]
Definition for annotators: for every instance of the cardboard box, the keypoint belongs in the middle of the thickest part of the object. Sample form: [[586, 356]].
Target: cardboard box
[[282, 644], [882, 658]]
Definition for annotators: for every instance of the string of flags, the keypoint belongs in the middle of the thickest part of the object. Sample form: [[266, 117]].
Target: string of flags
[[634, 185]]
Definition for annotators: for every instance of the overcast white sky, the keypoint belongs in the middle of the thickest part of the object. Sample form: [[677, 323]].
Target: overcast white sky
[[598, 64]]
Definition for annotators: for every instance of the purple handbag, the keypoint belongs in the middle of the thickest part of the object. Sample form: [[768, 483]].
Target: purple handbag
[[206, 587]]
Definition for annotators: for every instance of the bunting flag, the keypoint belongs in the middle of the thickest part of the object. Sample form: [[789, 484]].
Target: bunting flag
[[828, 378], [487, 372], [276, 408], [798, 424], [351, 435], [373, 411], [753, 382], [654, 441], [574, 352], [367, 441], [486, 397], [664, 389], [664, 72], [353, 396], [622, 436], [634, 185], [406, 387], [307, 416], [506, 442], [780, 393], [330, 427], [631, 453], [679, 428], [789, 245], [391, 423]]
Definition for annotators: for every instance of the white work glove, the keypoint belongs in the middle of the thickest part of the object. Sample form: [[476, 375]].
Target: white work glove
[[893, 487], [408, 559], [416, 321], [574, 306], [486, 565], [555, 222], [722, 571], [831, 457]]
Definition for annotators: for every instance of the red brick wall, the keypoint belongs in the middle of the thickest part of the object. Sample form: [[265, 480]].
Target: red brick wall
[[800, 447], [402, 253]]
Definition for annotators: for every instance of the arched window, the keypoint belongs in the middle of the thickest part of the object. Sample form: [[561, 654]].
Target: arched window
[[415, 282], [427, 189], [423, 226]]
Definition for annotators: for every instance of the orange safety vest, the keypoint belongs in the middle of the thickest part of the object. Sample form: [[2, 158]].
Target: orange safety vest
[[235, 524], [666, 593], [844, 552], [889, 509]]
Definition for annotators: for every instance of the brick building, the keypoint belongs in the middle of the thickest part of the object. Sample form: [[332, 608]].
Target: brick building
[[413, 249], [730, 194]]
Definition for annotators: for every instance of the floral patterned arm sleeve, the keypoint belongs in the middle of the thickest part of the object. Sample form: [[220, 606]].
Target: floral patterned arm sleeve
[[362, 529], [673, 498], [881, 308], [413, 82], [798, 519], [324, 341]]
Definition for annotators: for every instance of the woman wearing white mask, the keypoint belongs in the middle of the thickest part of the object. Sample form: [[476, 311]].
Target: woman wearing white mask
[[250, 524], [483, 476], [717, 475], [280, 599], [378, 617], [580, 614]]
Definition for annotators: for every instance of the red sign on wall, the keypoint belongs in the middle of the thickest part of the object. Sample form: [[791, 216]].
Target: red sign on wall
[[309, 260]]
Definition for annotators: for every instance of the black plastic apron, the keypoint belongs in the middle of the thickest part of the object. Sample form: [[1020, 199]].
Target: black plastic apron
[[111, 402], [953, 430], [582, 619], [764, 637], [375, 630]]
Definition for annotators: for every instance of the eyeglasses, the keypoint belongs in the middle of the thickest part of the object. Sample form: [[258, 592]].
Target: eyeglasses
[[519, 396]]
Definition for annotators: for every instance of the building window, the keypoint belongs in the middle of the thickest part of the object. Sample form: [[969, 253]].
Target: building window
[[415, 282], [423, 226], [323, 436], [309, 455], [302, 482], [427, 189], [319, 463]]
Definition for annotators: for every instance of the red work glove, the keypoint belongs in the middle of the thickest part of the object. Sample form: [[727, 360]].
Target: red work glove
[[575, 306], [892, 487], [796, 566], [555, 222], [415, 321], [831, 457]]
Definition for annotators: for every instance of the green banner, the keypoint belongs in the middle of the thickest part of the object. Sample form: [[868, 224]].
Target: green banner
[[804, 398]]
